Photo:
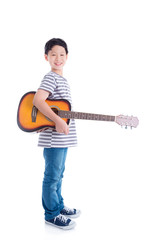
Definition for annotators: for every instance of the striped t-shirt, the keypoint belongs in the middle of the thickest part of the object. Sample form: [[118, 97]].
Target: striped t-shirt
[[58, 88]]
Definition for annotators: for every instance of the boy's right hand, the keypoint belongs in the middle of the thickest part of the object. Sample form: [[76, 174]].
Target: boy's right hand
[[61, 126]]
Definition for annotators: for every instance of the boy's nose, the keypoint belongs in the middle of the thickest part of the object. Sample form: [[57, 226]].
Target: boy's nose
[[57, 57]]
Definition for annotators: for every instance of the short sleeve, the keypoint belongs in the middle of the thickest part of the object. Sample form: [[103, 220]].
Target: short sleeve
[[48, 84]]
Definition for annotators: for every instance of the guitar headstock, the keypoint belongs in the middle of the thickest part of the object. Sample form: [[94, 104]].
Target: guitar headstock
[[127, 121]]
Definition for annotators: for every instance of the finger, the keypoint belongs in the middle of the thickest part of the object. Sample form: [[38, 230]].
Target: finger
[[67, 131], [41, 130]]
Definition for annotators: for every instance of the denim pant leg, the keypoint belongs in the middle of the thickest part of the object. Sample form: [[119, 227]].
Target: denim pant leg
[[51, 191]]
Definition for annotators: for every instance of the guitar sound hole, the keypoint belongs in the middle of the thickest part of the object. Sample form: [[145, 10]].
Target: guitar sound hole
[[55, 110]]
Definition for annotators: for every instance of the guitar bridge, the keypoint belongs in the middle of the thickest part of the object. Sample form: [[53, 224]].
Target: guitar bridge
[[34, 113]]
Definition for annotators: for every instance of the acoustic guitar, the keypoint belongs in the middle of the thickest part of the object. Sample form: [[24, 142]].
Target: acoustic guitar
[[30, 119]]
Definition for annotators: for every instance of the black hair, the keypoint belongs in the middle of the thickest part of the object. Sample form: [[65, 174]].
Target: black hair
[[55, 41]]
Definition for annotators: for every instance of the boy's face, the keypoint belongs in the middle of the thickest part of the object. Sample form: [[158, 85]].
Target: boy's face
[[57, 58]]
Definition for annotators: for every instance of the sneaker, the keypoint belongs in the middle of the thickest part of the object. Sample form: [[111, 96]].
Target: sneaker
[[72, 213], [61, 222]]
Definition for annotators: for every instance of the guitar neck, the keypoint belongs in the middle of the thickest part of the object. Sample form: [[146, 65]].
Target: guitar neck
[[86, 116]]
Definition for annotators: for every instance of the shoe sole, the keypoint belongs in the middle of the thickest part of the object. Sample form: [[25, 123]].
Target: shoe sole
[[70, 226]]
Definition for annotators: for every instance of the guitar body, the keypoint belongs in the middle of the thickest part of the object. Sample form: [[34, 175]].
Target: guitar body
[[29, 119]]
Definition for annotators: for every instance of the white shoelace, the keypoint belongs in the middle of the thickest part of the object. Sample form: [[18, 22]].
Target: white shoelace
[[68, 209], [61, 218]]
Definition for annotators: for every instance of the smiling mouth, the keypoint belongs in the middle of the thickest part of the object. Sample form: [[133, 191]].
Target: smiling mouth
[[58, 64]]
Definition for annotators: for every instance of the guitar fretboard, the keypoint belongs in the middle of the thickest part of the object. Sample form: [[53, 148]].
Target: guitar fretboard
[[86, 116]]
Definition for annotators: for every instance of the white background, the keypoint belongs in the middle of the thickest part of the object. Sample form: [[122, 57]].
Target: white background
[[113, 175]]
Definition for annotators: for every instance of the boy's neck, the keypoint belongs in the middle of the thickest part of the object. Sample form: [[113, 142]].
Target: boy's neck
[[59, 72]]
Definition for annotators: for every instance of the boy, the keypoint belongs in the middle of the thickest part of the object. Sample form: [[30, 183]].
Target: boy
[[55, 143]]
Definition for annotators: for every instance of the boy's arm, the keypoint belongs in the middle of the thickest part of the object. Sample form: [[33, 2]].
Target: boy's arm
[[39, 102]]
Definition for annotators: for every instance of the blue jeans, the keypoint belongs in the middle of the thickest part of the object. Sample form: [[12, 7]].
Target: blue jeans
[[51, 190]]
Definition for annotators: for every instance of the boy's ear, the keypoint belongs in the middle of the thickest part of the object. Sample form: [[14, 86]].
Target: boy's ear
[[46, 57]]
